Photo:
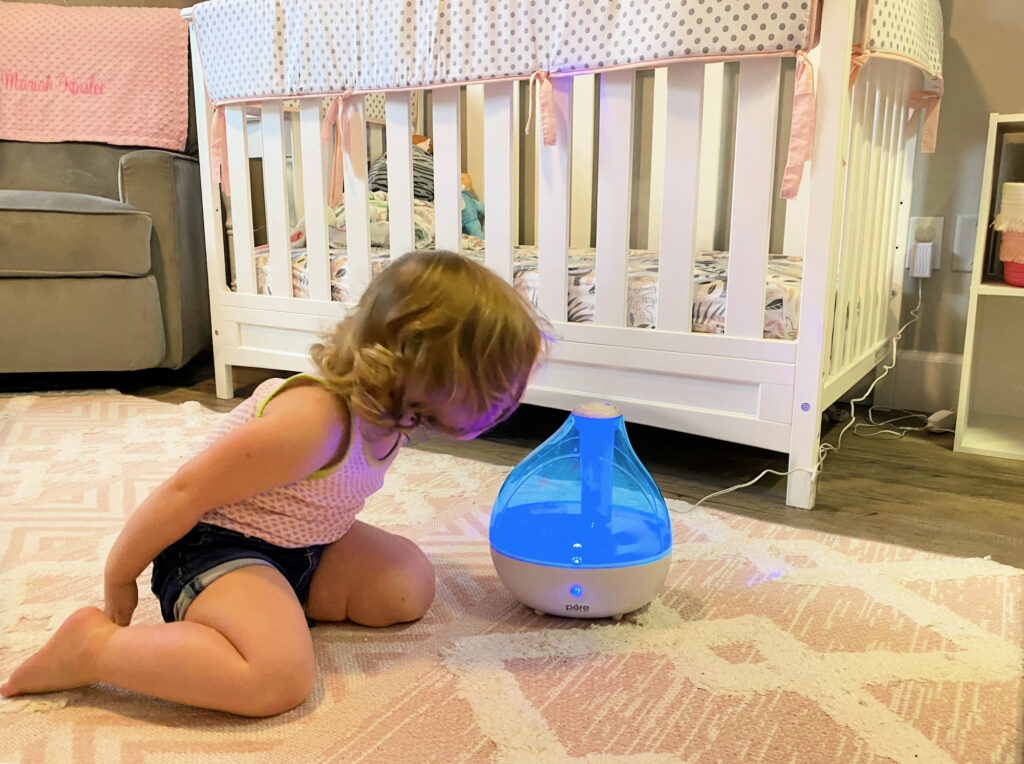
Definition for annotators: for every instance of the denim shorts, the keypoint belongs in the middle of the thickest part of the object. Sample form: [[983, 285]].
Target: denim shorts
[[207, 552]]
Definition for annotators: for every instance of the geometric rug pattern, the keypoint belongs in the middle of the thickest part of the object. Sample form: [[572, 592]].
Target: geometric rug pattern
[[767, 643]]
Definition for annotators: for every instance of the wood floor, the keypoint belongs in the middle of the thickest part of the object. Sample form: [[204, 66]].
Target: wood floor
[[914, 491]]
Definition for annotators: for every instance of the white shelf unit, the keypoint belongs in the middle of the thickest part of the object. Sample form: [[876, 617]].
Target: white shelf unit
[[991, 410]]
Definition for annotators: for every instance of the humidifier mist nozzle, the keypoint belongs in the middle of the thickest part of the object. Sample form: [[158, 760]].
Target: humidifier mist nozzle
[[597, 423]]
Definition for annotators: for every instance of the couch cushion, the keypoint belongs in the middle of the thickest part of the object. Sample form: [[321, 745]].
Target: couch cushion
[[102, 324], [48, 233], [77, 168]]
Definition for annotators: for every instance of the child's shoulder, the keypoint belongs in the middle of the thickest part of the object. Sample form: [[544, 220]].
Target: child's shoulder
[[303, 409], [299, 395]]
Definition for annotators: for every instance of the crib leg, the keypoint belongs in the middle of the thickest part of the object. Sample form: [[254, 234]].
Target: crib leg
[[225, 379], [801, 486]]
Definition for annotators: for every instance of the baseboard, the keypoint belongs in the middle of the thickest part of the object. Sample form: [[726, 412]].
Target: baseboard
[[921, 381]]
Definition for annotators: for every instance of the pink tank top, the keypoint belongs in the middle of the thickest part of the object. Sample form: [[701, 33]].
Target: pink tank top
[[318, 509]]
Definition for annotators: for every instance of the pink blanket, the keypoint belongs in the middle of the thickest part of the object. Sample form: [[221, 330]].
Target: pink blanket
[[105, 75]]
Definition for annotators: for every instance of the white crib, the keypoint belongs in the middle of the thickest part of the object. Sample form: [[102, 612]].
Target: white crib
[[712, 142]]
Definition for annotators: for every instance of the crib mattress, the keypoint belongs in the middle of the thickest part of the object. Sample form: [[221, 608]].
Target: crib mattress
[[782, 288]]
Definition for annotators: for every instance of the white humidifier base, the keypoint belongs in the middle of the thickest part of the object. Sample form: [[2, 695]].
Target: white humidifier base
[[581, 592]]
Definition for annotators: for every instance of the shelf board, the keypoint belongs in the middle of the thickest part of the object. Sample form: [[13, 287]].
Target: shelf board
[[1000, 289], [993, 435], [1008, 119]]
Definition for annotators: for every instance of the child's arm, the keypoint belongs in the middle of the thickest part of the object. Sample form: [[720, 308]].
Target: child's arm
[[301, 430]]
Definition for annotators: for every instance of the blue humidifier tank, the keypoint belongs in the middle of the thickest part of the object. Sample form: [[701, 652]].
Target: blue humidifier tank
[[579, 527]]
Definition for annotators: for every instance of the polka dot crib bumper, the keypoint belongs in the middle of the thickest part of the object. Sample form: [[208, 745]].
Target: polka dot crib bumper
[[908, 30], [279, 48]]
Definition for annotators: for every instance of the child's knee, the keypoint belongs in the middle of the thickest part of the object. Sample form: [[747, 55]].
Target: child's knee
[[411, 585], [278, 689]]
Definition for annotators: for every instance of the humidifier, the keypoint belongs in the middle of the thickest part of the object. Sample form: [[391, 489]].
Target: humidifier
[[579, 527]]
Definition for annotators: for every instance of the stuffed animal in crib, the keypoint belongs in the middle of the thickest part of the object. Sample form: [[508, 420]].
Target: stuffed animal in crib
[[472, 209]]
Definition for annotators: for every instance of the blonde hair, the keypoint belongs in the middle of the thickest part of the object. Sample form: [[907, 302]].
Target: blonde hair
[[436, 326]]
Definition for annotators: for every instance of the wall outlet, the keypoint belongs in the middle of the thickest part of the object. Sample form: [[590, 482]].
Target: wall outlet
[[926, 231], [963, 242]]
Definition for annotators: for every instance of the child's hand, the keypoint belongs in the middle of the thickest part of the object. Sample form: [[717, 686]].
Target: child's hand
[[120, 601]]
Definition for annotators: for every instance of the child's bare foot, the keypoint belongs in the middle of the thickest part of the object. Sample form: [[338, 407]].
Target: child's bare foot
[[67, 660]]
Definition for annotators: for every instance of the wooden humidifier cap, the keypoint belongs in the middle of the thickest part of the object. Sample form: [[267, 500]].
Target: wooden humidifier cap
[[597, 411]]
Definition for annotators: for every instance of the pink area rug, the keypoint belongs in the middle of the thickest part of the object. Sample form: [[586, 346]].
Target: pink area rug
[[768, 644]]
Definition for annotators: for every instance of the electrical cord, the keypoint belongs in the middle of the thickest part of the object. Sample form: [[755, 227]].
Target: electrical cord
[[879, 429], [829, 448]]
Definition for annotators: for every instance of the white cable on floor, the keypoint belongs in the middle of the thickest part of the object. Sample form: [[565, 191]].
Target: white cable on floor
[[741, 485], [827, 448]]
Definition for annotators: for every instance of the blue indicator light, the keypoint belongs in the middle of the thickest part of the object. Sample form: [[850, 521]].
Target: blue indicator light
[[576, 591]]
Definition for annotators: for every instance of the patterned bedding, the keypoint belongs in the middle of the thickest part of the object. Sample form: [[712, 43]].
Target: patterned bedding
[[782, 292]]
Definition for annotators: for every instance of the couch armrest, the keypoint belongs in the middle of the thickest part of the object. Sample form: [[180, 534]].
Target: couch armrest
[[166, 185]]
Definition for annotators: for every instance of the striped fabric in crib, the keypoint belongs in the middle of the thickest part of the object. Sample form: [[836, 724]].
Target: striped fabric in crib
[[422, 174]]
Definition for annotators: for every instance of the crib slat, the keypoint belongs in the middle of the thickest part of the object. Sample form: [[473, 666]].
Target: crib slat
[[879, 275], [874, 130], [879, 297], [582, 165], [874, 247], [399, 134], [854, 182], [684, 91], [614, 194], [857, 195], [757, 111], [498, 171], [869, 225], [892, 210], [906, 149], [275, 189], [862, 262], [553, 208], [447, 162], [315, 198], [241, 198], [357, 233]]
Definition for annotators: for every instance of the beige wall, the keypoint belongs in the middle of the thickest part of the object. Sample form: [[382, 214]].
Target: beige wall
[[983, 69]]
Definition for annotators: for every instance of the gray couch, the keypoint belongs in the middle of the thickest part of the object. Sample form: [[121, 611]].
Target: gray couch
[[102, 256]]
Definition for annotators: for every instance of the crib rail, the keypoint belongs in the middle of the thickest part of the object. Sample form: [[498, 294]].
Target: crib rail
[[871, 256], [711, 181], [675, 160], [679, 160]]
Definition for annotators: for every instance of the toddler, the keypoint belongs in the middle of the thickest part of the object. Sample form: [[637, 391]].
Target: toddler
[[257, 532]]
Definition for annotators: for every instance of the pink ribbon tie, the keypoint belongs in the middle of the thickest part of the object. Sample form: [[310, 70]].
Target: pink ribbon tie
[[549, 129], [218, 151], [801, 134], [930, 101], [335, 118], [858, 61]]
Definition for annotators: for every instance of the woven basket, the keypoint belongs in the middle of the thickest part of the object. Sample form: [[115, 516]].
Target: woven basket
[[1011, 252], [1013, 274]]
